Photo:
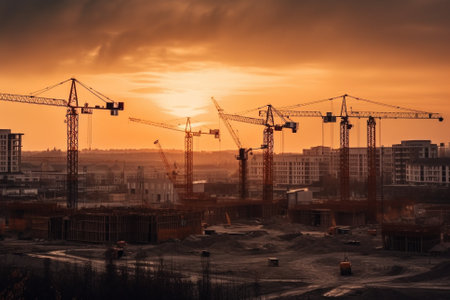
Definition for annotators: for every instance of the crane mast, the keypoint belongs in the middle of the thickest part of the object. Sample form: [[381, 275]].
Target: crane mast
[[242, 156], [270, 126], [188, 148], [72, 148], [72, 107], [407, 113], [345, 127]]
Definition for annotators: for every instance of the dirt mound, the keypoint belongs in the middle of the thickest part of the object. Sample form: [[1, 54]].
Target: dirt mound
[[264, 249], [171, 247], [395, 270], [227, 244], [199, 242], [223, 242], [257, 233], [282, 224], [397, 293], [377, 293], [440, 271], [316, 244], [219, 242], [289, 236]]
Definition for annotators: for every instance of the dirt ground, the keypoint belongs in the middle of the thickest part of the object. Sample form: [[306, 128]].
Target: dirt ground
[[308, 261]]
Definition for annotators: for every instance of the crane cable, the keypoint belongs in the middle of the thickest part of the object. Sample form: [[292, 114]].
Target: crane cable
[[88, 88], [38, 92], [387, 105], [310, 102], [95, 92]]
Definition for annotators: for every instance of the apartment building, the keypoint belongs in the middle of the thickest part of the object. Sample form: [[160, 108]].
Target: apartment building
[[10, 151], [428, 171], [150, 189], [408, 151], [293, 169], [309, 166]]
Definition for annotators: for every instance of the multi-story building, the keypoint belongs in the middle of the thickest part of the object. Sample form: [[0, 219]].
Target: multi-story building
[[409, 151], [425, 171], [358, 165], [10, 151], [294, 169], [150, 189], [309, 166], [444, 150]]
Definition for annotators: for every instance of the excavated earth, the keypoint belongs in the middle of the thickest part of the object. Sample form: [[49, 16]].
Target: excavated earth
[[308, 261]]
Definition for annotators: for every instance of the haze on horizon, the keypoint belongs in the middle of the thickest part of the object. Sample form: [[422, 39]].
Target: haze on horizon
[[166, 58]]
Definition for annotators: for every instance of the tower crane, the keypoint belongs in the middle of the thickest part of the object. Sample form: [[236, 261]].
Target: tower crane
[[72, 107], [345, 127], [269, 123], [170, 172], [371, 142], [188, 147], [242, 156]]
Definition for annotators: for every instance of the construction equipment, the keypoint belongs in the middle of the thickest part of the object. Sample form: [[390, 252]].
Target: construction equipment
[[170, 172], [242, 156], [345, 127], [116, 251], [269, 123], [72, 124], [345, 267], [188, 147], [407, 113]]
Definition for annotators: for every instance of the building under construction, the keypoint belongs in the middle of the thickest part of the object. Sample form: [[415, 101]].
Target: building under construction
[[132, 224], [328, 213], [410, 237]]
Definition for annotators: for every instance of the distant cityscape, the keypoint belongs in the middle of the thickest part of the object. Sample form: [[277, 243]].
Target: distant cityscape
[[117, 177]]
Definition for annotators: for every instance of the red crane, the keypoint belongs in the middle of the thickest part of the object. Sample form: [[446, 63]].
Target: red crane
[[269, 123], [188, 147], [242, 156], [72, 107], [170, 172]]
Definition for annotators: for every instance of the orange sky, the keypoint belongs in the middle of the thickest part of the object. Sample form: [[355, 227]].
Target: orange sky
[[166, 58]]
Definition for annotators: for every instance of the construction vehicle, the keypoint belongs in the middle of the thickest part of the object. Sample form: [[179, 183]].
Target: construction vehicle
[[188, 148], [72, 107], [332, 230], [372, 232], [345, 267], [116, 251]]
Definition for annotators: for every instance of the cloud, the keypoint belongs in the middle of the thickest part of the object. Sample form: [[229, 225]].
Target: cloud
[[137, 35]]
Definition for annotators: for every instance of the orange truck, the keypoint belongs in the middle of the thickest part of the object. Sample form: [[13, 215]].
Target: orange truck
[[346, 267]]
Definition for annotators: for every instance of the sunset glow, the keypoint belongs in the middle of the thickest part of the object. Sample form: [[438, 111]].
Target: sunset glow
[[166, 59]]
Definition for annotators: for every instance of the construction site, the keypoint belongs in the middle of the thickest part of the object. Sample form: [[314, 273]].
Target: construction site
[[284, 243]]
